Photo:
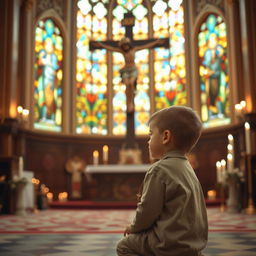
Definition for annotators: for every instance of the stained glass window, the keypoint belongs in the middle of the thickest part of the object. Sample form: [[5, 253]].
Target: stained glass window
[[213, 70], [98, 68], [48, 76], [170, 74], [91, 69]]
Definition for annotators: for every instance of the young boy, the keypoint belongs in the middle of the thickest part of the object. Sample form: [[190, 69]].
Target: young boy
[[171, 218]]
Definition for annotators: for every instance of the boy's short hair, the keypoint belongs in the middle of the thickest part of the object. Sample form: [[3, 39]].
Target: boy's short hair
[[183, 122]]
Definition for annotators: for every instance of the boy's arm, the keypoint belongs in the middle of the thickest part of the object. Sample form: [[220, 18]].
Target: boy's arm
[[151, 204]]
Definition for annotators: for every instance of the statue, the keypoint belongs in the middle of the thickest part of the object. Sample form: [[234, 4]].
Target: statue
[[75, 166]]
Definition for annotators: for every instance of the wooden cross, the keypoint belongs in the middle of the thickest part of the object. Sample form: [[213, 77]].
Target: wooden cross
[[128, 23]]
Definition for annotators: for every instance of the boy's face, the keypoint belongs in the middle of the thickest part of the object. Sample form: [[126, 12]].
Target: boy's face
[[155, 143]]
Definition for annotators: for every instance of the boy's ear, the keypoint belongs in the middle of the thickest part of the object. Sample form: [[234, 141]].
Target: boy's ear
[[167, 136]]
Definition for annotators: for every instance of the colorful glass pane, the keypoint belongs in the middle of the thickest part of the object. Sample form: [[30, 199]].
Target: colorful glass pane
[[213, 71], [140, 30], [170, 73], [142, 99], [118, 30], [91, 70], [129, 4], [119, 97], [48, 76]]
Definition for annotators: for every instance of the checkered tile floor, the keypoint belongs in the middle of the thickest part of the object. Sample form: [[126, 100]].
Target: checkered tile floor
[[230, 234]]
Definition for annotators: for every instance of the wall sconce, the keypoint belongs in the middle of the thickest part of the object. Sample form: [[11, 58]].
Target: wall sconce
[[240, 109], [23, 114]]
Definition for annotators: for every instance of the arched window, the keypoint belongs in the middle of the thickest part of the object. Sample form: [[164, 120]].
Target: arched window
[[91, 69], [213, 70], [48, 76], [170, 73], [101, 99]]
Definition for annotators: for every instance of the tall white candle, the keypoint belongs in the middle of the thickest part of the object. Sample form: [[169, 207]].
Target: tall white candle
[[218, 169], [95, 157], [230, 149], [247, 137], [25, 113], [19, 110], [105, 153], [230, 163], [21, 166], [223, 169], [243, 105], [231, 140]]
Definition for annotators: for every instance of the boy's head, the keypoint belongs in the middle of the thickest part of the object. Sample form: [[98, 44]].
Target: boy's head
[[179, 127]]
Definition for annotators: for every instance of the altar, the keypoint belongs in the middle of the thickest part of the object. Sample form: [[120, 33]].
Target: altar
[[114, 182]]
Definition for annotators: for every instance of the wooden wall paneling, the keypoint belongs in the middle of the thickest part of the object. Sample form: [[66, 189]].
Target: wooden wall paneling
[[46, 154]]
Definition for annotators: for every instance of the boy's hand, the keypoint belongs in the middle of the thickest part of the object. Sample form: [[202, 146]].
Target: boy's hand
[[127, 231]]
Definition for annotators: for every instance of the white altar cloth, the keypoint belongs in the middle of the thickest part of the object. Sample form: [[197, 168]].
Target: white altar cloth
[[117, 168]]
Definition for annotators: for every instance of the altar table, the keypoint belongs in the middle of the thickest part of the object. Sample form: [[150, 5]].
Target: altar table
[[117, 168], [114, 182]]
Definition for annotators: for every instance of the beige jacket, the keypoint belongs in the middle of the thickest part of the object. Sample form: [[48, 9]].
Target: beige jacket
[[172, 212]]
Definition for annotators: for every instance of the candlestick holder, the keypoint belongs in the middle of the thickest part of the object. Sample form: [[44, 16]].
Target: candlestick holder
[[234, 194], [222, 199], [231, 180], [36, 185], [250, 207]]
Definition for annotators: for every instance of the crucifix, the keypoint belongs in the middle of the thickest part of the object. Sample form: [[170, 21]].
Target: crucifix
[[129, 73]]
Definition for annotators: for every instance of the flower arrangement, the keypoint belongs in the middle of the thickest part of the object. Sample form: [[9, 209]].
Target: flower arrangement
[[235, 176]]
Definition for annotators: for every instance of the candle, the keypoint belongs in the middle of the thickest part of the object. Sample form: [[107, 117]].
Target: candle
[[21, 166], [223, 169], [240, 108], [25, 113], [49, 196], [231, 140], [19, 110], [211, 194], [105, 153], [95, 157], [63, 196], [218, 168], [230, 149], [247, 137], [230, 163], [243, 105]]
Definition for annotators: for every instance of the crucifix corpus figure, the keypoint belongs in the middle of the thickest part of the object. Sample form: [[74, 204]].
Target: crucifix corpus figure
[[129, 72]]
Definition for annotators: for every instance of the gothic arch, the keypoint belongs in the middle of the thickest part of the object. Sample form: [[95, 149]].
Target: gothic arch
[[205, 13], [208, 9], [58, 21]]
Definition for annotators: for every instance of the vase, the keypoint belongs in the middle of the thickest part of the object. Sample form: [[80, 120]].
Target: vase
[[20, 205], [233, 201]]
